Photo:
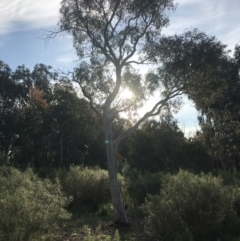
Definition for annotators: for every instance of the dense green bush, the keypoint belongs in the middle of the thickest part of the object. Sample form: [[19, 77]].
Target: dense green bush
[[138, 185], [192, 207], [88, 186], [29, 206]]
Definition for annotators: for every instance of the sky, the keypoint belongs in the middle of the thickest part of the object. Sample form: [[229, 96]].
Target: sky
[[23, 22]]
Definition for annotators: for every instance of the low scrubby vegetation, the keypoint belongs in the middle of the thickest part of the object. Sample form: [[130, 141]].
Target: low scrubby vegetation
[[137, 185], [88, 187], [180, 207], [30, 208], [193, 207]]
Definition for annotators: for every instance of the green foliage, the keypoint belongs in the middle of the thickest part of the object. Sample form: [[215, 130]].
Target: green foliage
[[156, 146], [137, 186], [211, 79], [192, 207], [88, 186], [43, 122], [89, 235], [161, 146], [29, 206], [232, 179], [56, 134]]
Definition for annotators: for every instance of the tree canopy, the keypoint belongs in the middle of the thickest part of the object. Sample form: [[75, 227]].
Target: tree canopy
[[213, 83]]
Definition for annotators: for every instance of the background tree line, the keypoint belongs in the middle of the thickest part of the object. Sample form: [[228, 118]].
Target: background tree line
[[46, 123]]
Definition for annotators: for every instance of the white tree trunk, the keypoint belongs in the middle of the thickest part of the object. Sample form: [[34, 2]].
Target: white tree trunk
[[118, 207]]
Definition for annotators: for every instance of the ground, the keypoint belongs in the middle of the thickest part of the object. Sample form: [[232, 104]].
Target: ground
[[96, 227]]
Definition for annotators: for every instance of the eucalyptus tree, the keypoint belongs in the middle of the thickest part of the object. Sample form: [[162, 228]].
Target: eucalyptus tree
[[111, 38], [213, 83], [13, 96]]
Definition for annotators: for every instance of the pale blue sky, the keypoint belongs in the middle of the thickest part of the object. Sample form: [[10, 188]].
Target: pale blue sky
[[22, 20]]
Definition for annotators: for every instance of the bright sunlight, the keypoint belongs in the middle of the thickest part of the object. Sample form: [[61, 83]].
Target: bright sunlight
[[127, 94]]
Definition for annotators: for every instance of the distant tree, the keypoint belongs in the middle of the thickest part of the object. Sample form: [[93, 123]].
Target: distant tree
[[43, 77], [74, 125], [196, 156], [29, 102], [53, 133], [13, 96], [44, 123], [29, 146], [156, 146], [160, 146]]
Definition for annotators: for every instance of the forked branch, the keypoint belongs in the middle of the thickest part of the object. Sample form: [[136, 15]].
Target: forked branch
[[153, 112]]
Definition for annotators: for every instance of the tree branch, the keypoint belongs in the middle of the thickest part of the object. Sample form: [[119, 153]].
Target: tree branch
[[152, 112], [91, 35], [119, 111], [115, 91], [87, 95], [106, 38], [135, 44], [90, 101]]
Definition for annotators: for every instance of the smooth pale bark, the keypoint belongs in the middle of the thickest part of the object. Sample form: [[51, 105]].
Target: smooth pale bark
[[118, 207]]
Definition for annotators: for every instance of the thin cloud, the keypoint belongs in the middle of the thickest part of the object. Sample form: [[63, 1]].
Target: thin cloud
[[65, 60], [186, 2], [34, 14], [216, 18]]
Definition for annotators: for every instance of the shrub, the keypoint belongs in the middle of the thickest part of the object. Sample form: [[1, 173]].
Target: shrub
[[29, 206], [97, 235], [88, 186], [192, 207], [138, 185]]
